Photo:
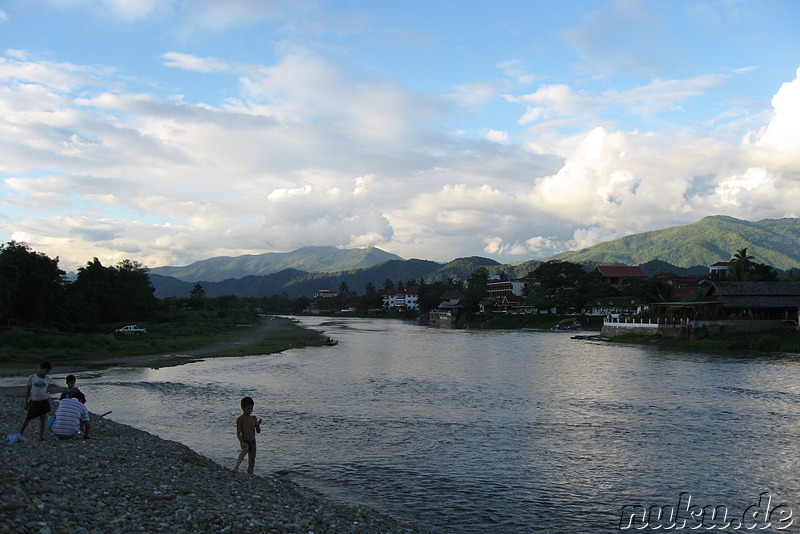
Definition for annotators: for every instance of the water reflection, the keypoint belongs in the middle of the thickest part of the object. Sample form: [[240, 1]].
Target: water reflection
[[471, 431]]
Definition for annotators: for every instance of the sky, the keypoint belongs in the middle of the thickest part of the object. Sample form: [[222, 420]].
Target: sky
[[171, 131]]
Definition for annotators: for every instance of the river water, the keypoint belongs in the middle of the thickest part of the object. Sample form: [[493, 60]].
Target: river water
[[493, 431]]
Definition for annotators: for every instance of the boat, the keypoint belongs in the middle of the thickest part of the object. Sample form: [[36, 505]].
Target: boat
[[330, 341], [591, 337], [568, 324]]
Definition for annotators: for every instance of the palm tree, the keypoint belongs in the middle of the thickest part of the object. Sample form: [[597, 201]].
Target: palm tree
[[742, 265]]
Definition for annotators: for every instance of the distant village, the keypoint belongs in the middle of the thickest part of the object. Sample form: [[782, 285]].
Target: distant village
[[736, 296]]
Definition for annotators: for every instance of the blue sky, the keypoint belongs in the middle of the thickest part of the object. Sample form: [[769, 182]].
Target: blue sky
[[172, 131]]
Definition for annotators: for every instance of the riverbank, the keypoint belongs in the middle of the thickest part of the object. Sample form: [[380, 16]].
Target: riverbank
[[266, 337], [125, 480]]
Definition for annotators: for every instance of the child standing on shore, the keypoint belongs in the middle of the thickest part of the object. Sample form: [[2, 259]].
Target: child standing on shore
[[246, 427], [37, 398]]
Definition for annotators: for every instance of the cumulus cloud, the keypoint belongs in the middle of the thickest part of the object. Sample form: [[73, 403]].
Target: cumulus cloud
[[776, 146], [303, 151]]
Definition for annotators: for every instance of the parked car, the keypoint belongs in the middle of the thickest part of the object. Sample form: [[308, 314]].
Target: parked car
[[130, 329]]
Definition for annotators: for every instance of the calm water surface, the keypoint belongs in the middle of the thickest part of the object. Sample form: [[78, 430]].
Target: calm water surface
[[488, 432]]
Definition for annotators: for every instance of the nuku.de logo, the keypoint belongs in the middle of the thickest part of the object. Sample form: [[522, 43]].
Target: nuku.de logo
[[685, 515]]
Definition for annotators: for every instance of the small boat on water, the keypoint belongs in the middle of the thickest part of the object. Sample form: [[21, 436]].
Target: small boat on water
[[592, 337], [330, 341], [568, 324]]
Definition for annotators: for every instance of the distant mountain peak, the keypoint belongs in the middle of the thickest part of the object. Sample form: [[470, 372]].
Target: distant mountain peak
[[312, 259]]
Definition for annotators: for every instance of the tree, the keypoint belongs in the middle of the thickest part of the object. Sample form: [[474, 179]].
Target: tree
[[429, 293], [741, 266], [344, 290], [92, 292], [372, 299], [388, 285], [197, 296], [763, 273], [476, 290], [653, 289], [556, 273], [136, 299], [108, 294], [32, 287]]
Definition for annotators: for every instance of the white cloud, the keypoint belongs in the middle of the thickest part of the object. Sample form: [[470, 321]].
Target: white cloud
[[777, 145], [133, 9], [306, 152], [474, 96], [193, 63], [553, 101], [497, 136], [560, 100], [515, 70], [661, 95]]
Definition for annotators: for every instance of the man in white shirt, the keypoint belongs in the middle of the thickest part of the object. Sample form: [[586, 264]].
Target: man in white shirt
[[71, 414]]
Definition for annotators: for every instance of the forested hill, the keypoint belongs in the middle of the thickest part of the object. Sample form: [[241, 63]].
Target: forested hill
[[775, 242], [693, 247], [308, 259], [295, 283]]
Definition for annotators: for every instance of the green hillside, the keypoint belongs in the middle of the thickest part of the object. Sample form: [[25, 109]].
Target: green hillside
[[682, 249], [772, 241], [295, 283], [308, 259]]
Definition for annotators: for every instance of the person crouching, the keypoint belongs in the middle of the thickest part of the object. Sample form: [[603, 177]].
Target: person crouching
[[71, 415]]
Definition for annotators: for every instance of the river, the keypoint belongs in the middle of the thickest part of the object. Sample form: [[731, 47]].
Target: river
[[494, 431]]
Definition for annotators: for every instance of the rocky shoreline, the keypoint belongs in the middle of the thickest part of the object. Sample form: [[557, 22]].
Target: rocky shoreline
[[126, 480]]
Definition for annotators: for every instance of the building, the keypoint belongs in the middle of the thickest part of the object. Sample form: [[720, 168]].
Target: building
[[324, 294], [499, 288], [614, 306], [727, 308], [509, 304], [616, 274], [719, 268], [402, 299], [449, 307], [760, 301]]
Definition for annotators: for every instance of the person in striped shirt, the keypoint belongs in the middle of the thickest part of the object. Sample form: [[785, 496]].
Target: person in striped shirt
[[71, 415]]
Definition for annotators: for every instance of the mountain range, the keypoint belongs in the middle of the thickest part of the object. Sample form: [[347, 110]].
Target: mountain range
[[688, 249], [775, 242], [308, 259]]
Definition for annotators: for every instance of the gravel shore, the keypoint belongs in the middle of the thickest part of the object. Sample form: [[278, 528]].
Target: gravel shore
[[126, 480]]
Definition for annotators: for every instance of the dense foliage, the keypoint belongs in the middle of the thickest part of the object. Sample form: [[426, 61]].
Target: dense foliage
[[35, 292]]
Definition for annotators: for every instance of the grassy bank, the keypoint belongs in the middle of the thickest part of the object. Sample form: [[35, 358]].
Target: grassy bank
[[771, 341], [222, 333]]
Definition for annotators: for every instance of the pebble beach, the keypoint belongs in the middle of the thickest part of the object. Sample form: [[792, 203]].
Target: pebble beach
[[125, 480]]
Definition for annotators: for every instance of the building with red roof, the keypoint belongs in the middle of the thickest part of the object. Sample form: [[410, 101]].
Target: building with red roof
[[616, 274]]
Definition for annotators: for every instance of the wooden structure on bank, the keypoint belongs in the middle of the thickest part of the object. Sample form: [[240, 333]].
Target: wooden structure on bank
[[729, 307]]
